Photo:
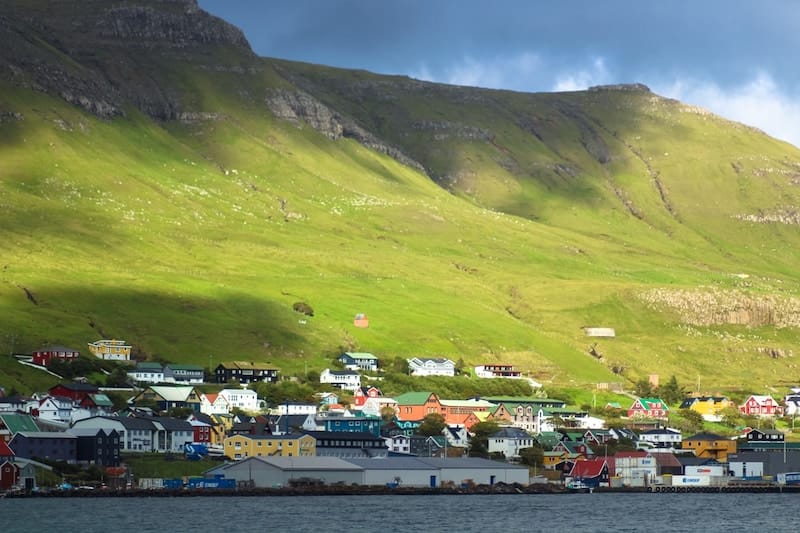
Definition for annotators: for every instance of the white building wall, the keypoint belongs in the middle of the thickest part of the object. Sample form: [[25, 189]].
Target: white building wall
[[244, 399]]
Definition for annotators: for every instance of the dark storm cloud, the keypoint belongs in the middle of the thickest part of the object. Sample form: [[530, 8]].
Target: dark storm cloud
[[732, 51], [718, 39]]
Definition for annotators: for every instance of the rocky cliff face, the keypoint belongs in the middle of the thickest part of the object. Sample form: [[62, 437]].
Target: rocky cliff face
[[152, 25], [299, 106], [96, 56]]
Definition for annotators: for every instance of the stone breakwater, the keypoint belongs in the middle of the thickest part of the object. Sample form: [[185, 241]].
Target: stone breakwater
[[325, 490]]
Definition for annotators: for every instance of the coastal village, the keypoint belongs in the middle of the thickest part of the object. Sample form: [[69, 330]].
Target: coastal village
[[352, 435]]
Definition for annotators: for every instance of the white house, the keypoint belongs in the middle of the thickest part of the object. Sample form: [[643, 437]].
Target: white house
[[244, 399], [295, 408], [140, 434], [146, 372], [54, 409], [431, 367], [374, 406], [662, 438], [792, 402], [509, 441], [497, 371], [398, 443], [211, 403], [174, 373], [342, 379]]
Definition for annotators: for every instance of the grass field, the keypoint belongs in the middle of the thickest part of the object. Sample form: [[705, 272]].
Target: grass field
[[539, 215]]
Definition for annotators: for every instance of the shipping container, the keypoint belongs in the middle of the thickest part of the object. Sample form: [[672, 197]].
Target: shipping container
[[687, 481], [789, 478], [705, 470], [151, 483], [208, 483], [173, 483]]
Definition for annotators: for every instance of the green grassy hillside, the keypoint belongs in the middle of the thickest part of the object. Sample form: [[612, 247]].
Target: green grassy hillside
[[484, 225]]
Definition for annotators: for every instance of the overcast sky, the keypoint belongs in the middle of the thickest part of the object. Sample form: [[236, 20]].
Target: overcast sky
[[738, 58]]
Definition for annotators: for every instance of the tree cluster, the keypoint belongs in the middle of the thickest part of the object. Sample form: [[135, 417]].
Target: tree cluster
[[671, 392]]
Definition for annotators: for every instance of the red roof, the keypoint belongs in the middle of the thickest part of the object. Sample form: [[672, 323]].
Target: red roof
[[666, 459], [631, 453], [588, 468], [5, 451]]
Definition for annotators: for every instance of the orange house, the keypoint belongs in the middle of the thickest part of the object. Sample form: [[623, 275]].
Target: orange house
[[415, 405], [710, 445]]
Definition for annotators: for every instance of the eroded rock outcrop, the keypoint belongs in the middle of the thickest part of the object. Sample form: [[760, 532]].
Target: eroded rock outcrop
[[91, 57]]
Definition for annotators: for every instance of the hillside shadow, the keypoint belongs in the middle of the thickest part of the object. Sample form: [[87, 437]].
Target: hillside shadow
[[177, 327]]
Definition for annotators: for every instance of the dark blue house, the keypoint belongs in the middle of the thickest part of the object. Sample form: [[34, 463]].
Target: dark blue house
[[97, 446], [54, 446]]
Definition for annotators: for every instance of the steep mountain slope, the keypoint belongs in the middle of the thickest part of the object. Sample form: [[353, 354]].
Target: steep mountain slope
[[162, 184]]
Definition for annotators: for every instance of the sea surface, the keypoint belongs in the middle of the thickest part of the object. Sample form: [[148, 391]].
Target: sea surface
[[388, 513]]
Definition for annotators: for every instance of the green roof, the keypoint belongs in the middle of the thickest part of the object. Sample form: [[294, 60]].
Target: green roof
[[521, 400], [561, 411], [154, 366], [413, 398], [361, 355], [16, 422], [549, 438], [647, 403], [101, 400]]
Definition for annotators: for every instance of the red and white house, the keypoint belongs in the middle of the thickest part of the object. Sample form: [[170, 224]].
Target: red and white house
[[362, 394], [43, 356], [648, 408], [761, 406]]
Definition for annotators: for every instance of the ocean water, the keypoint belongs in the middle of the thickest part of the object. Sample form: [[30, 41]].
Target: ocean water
[[397, 513]]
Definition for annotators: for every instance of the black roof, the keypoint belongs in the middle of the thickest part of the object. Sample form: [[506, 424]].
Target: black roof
[[202, 417], [692, 460], [705, 435], [131, 422], [173, 424]]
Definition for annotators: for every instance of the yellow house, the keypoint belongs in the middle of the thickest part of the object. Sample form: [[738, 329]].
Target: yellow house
[[111, 350], [711, 446], [219, 430], [710, 407], [243, 446]]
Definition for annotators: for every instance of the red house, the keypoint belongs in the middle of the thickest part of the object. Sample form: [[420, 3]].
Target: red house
[[5, 451], [648, 408], [9, 472], [43, 356], [201, 431], [361, 395], [9, 475], [761, 406], [77, 392]]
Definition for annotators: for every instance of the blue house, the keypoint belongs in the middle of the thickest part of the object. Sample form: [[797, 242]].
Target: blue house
[[363, 424]]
